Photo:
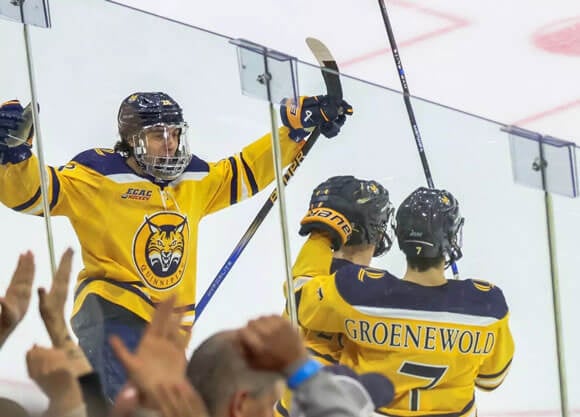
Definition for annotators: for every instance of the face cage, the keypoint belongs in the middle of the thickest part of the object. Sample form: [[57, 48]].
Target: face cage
[[454, 253], [168, 167], [386, 232]]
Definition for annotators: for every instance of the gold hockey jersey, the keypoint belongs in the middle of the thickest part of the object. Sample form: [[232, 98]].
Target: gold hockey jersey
[[138, 238], [434, 343], [316, 258]]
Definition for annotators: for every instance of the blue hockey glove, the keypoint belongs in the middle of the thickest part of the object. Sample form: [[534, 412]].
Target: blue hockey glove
[[314, 111], [331, 129], [16, 132], [15, 125]]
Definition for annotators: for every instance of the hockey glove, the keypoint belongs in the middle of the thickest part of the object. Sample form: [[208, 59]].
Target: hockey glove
[[16, 132], [331, 211], [314, 111], [329, 221], [331, 129]]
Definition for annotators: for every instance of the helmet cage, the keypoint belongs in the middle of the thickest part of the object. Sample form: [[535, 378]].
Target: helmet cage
[[385, 232], [168, 166], [452, 251]]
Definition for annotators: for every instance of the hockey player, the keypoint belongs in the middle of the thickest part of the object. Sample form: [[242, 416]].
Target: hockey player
[[437, 339], [136, 208], [366, 232], [363, 229]]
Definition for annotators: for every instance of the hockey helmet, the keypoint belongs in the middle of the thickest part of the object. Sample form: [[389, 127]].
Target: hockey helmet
[[367, 206], [149, 122], [429, 225]]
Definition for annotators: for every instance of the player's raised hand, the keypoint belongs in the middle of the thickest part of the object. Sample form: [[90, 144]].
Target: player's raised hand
[[310, 112], [333, 209], [51, 304], [15, 124], [271, 343], [17, 299]]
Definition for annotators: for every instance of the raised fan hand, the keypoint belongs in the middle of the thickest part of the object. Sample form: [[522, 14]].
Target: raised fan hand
[[14, 304], [270, 343], [55, 375], [157, 368], [51, 304]]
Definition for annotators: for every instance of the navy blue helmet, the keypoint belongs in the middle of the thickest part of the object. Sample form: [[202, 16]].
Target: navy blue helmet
[[149, 117], [429, 225]]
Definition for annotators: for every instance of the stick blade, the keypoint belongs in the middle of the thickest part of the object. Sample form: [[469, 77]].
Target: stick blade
[[320, 50], [328, 65]]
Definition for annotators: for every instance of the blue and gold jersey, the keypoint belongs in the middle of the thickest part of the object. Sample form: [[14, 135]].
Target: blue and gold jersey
[[138, 238], [434, 343], [316, 258]]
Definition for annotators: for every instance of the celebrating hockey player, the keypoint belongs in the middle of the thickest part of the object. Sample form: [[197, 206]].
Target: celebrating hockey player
[[357, 225], [437, 339], [136, 208]]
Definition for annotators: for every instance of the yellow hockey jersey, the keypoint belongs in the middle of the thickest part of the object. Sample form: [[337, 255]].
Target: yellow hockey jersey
[[434, 343], [138, 238], [316, 258]]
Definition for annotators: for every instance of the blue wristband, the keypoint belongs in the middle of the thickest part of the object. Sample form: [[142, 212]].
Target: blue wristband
[[306, 371]]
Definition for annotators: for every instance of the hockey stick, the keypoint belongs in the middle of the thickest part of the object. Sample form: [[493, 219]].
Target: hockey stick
[[334, 89], [410, 112]]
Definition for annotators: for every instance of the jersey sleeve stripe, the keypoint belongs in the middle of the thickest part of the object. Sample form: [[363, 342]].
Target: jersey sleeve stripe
[[250, 175], [328, 359], [300, 281], [234, 181], [500, 373], [28, 203], [244, 182], [280, 409], [432, 316], [183, 309], [491, 382], [55, 188], [124, 285]]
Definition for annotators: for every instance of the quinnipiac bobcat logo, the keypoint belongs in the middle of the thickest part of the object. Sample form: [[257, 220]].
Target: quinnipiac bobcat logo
[[159, 249]]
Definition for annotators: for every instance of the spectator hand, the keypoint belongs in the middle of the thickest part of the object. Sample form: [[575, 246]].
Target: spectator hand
[[157, 368], [271, 343], [15, 303], [51, 304], [51, 370]]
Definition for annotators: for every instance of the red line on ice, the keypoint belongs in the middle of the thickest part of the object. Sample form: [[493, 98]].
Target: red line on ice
[[456, 23]]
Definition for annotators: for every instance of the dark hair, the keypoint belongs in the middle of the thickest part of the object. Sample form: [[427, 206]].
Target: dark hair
[[123, 147], [423, 264], [217, 369]]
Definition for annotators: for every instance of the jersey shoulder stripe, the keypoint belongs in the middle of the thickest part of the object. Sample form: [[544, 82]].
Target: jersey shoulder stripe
[[361, 287], [109, 163], [103, 161]]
